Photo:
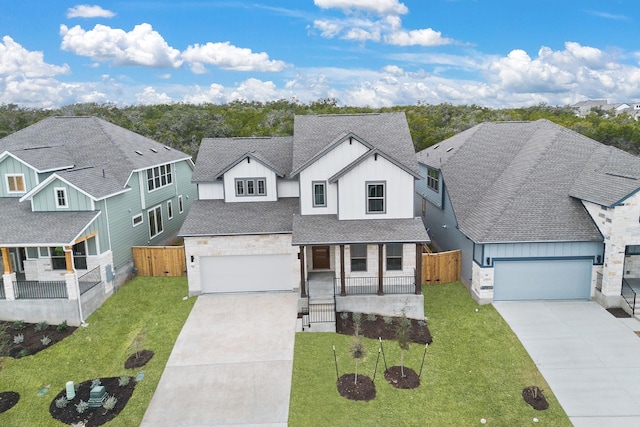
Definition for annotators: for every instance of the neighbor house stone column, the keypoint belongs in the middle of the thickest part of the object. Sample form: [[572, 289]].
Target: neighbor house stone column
[[72, 286], [7, 282]]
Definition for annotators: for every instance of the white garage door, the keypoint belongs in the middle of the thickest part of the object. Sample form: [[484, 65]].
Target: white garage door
[[542, 279], [245, 273]]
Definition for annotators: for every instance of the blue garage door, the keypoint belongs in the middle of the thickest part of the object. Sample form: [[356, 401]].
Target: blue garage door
[[542, 279]]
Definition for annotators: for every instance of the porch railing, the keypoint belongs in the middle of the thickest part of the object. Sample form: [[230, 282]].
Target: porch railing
[[89, 280], [629, 295], [599, 281], [2, 291], [369, 285], [34, 289]]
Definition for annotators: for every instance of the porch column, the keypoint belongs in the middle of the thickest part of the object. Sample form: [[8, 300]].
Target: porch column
[[68, 259], [343, 291], [303, 287], [380, 270], [418, 268], [6, 260]]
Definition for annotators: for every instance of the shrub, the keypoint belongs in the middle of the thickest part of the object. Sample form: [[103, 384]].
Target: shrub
[[109, 403], [344, 315], [422, 323], [45, 340], [62, 327], [18, 338], [96, 383], [387, 320], [82, 406], [62, 402], [41, 326], [123, 381], [371, 317], [24, 352], [18, 325]]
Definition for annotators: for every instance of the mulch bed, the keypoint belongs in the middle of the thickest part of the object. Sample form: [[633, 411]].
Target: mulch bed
[[32, 343], [138, 360], [364, 389], [93, 416], [393, 375], [8, 399], [378, 328], [534, 397], [618, 312]]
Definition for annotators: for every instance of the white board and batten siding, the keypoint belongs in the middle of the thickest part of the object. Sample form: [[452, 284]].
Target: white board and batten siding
[[250, 168], [399, 188], [210, 191], [321, 170]]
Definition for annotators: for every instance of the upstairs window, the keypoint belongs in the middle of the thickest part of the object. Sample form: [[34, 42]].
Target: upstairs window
[[158, 177], [15, 183], [319, 194], [394, 256], [358, 257], [61, 197], [376, 197], [433, 179], [251, 187]]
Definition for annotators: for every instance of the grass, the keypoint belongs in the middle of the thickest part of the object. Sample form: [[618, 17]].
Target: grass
[[475, 368], [154, 305]]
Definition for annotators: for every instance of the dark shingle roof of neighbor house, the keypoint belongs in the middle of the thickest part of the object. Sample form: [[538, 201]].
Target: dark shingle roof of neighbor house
[[217, 218], [328, 229], [216, 155], [21, 227], [388, 132], [522, 181], [95, 155]]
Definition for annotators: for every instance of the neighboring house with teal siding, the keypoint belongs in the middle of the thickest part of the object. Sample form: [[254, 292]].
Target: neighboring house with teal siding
[[539, 212], [76, 193]]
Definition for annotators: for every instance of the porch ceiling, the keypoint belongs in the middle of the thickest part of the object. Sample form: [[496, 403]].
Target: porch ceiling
[[328, 230], [22, 227]]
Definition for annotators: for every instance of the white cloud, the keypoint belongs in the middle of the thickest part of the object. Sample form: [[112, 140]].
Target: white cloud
[[149, 96], [141, 46], [229, 57], [256, 90], [15, 60], [393, 70], [328, 29], [424, 37], [213, 94], [381, 7], [87, 11]]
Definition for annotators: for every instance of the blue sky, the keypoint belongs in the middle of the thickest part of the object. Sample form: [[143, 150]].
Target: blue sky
[[375, 53]]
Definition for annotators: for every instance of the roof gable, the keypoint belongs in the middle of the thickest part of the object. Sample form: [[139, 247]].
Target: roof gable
[[368, 155]]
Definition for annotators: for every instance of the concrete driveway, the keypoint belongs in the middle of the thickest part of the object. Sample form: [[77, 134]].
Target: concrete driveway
[[590, 359], [231, 364]]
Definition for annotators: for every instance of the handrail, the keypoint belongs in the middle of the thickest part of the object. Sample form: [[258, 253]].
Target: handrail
[[35, 289], [629, 295], [369, 285]]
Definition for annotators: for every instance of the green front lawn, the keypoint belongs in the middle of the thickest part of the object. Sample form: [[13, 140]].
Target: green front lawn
[[475, 368], [154, 305]]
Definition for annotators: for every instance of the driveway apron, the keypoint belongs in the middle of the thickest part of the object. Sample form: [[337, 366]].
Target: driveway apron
[[590, 359], [231, 364]]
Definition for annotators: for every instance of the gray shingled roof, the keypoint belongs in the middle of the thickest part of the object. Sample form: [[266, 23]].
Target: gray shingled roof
[[22, 227], [90, 146], [327, 229], [217, 154], [521, 181], [388, 132], [217, 218]]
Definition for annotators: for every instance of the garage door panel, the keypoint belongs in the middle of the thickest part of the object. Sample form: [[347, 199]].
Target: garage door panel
[[246, 273], [542, 279]]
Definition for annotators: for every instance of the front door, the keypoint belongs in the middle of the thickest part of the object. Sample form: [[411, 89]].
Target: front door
[[320, 257]]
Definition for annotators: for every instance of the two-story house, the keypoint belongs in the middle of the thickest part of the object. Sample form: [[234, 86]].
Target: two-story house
[[539, 212], [76, 193], [326, 211]]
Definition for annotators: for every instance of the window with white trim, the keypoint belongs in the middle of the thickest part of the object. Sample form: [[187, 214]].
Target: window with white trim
[[180, 204], [376, 197], [60, 194], [155, 221], [15, 183], [433, 179], [358, 257], [136, 220], [394, 256], [169, 209], [319, 194], [158, 177], [251, 187]]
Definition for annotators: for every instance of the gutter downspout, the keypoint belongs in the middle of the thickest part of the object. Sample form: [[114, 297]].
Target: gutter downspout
[[69, 251]]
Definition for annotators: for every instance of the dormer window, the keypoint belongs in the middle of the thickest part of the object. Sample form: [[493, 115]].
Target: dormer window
[[433, 179], [15, 183], [61, 197], [376, 197], [251, 187], [319, 194]]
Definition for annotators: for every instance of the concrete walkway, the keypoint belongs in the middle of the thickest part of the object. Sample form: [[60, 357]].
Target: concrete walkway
[[590, 359], [231, 364]]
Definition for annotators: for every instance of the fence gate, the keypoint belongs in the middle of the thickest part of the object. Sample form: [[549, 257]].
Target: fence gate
[[159, 261], [441, 267]]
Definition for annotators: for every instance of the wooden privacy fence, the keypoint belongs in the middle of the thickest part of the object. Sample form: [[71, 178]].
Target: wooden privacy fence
[[159, 261], [440, 267]]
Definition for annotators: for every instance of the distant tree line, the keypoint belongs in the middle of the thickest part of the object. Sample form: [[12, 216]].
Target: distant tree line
[[183, 126]]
